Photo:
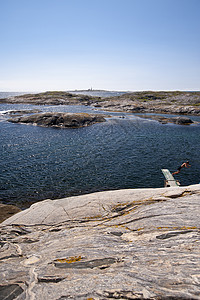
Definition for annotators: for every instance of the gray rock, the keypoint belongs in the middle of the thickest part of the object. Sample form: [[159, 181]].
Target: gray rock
[[61, 120], [123, 244], [165, 120]]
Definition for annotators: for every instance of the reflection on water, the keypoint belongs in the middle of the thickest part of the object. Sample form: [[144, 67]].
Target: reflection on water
[[38, 163]]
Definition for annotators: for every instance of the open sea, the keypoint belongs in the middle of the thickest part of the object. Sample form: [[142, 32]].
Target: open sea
[[39, 163]]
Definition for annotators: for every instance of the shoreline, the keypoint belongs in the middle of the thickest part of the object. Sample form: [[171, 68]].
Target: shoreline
[[180, 190], [9, 210]]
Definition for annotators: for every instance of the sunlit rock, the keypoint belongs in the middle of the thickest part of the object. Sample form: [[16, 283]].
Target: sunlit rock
[[122, 244]]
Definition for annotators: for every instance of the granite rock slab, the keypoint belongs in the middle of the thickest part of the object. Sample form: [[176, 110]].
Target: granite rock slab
[[122, 244]]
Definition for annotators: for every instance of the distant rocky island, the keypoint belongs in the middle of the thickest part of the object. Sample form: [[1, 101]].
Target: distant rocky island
[[175, 102]]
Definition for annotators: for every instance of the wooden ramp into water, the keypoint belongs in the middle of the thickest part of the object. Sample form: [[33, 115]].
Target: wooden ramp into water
[[170, 181]]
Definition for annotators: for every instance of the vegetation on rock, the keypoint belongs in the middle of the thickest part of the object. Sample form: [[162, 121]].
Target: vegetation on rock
[[176, 102]]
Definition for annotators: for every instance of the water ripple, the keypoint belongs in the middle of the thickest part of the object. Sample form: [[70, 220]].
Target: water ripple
[[38, 163]]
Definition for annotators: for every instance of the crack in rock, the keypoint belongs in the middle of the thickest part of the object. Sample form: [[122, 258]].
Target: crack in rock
[[33, 280], [88, 264], [48, 279], [172, 234]]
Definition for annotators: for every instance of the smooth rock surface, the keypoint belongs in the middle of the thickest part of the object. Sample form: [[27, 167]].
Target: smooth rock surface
[[123, 244]]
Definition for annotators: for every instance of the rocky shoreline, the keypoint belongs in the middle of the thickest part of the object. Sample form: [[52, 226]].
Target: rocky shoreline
[[123, 244]]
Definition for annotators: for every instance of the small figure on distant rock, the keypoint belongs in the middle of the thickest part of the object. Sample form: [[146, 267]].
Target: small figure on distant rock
[[184, 165]]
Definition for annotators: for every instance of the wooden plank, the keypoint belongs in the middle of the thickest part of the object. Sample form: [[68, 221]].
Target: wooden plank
[[168, 176]]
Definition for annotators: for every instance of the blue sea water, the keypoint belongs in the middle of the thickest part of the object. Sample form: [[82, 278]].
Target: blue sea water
[[10, 94], [37, 163]]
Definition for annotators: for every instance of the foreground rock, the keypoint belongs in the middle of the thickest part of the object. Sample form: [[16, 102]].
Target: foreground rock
[[62, 120], [123, 244]]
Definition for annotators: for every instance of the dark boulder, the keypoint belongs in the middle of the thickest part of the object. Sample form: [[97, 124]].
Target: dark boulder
[[165, 120], [181, 120]]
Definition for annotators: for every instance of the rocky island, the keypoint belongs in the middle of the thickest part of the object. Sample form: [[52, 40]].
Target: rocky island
[[186, 103], [183, 120], [182, 103], [60, 120], [175, 102], [51, 98], [122, 244]]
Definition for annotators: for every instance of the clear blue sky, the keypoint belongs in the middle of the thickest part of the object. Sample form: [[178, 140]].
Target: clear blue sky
[[104, 44]]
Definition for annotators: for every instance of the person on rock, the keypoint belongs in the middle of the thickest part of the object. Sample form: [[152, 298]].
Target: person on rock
[[184, 165]]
